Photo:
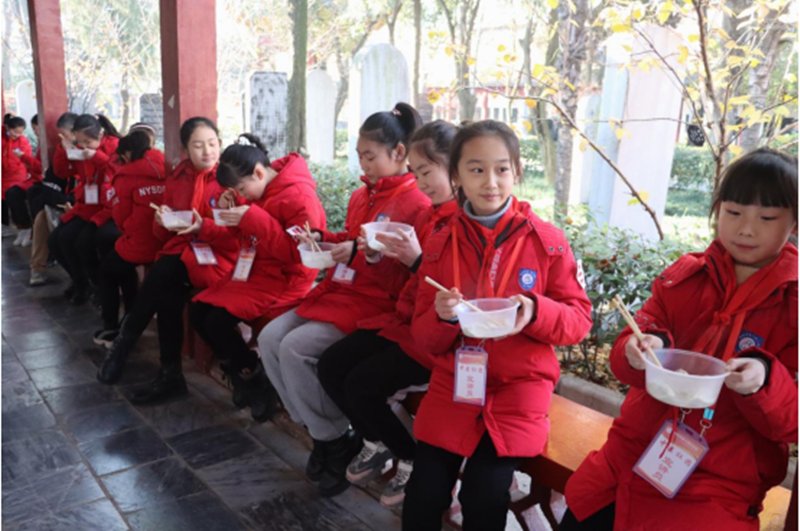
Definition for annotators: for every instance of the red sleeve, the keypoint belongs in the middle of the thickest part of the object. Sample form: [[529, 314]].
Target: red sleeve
[[122, 204], [772, 410], [563, 313], [26, 147], [431, 334], [33, 164], [61, 164]]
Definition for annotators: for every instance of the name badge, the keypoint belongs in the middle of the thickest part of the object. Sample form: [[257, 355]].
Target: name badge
[[470, 375], [667, 465], [204, 253], [344, 274], [91, 194], [295, 232], [244, 264]]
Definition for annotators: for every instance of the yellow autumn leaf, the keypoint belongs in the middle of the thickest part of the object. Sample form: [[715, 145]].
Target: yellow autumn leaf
[[619, 133], [570, 85], [683, 54], [637, 14], [664, 11], [501, 48], [448, 51], [507, 58], [754, 63], [552, 3], [739, 100], [537, 70], [527, 125], [470, 61], [736, 150], [583, 146], [782, 111], [694, 37], [433, 97], [644, 194], [620, 28], [531, 103]]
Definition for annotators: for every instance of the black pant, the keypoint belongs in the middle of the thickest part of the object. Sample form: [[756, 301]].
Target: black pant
[[105, 238], [18, 205], [359, 373], [484, 488], [116, 274], [602, 520], [220, 329], [164, 290], [63, 244]]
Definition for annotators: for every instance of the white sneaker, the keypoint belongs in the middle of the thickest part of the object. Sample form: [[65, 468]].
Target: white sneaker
[[38, 278], [25, 241], [395, 491], [368, 463], [18, 239]]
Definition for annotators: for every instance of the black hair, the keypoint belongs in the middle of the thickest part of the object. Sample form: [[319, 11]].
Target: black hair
[[472, 130], [91, 125], [13, 122], [188, 127], [239, 160], [35, 119], [393, 127], [434, 140], [148, 129], [136, 143], [66, 120], [764, 177]]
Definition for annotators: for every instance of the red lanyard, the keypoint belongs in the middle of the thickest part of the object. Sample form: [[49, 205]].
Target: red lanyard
[[506, 273], [398, 190]]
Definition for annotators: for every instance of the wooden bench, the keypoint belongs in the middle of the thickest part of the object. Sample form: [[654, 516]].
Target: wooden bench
[[576, 430]]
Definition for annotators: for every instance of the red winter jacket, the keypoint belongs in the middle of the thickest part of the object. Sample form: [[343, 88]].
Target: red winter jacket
[[63, 167], [523, 368], [97, 170], [34, 166], [696, 302], [14, 171], [375, 287], [277, 279], [396, 326], [189, 188], [136, 185]]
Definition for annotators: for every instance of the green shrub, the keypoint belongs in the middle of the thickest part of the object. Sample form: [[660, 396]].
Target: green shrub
[[692, 169], [615, 262], [334, 186]]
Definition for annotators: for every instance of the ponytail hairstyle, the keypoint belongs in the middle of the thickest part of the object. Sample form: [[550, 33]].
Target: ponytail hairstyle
[[393, 127], [137, 143], [66, 120], [91, 125], [188, 127], [147, 128], [239, 160], [13, 122]]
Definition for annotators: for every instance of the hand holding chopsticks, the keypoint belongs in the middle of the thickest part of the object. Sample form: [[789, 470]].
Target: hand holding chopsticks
[[438, 286], [310, 236], [617, 301]]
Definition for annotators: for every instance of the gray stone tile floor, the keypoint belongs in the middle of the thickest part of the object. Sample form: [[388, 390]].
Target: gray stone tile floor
[[76, 455]]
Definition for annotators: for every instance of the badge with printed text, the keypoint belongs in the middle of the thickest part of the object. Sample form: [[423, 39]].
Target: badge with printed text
[[382, 217], [91, 194], [244, 264], [667, 465], [748, 340], [470, 384], [295, 232], [343, 274], [527, 278], [204, 253]]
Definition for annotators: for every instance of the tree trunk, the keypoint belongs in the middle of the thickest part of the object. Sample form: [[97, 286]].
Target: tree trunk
[[572, 39], [539, 116], [417, 47], [296, 140], [6, 56]]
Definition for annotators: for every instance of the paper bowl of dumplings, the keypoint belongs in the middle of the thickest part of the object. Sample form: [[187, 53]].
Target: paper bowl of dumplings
[[314, 259], [496, 317], [387, 228], [685, 379]]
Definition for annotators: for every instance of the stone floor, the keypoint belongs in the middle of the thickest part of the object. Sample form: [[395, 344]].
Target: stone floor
[[76, 455]]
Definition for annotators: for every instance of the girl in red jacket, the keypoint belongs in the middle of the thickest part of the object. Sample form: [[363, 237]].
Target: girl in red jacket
[[184, 262], [363, 370], [138, 182], [736, 301], [278, 194], [494, 246], [96, 142], [354, 289], [16, 176]]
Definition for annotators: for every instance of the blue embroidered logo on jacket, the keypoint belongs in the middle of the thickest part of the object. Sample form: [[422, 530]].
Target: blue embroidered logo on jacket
[[748, 340], [382, 217], [527, 278]]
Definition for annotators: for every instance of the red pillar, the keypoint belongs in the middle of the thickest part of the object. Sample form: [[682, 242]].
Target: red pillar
[[188, 66], [47, 43]]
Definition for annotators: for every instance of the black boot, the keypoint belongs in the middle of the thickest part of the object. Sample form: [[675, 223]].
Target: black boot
[[238, 386], [338, 454], [114, 363], [168, 384], [261, 394], [316, 461]]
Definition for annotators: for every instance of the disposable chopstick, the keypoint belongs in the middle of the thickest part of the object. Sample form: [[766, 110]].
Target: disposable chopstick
[[311, 238], [617, 301], [438, 286]]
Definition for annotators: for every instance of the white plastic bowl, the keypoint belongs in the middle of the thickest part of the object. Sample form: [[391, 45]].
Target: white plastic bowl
[[218, 220], [384, 227], [75, 154], [697, 385], [496, 319], [317, 260], [177, 219]]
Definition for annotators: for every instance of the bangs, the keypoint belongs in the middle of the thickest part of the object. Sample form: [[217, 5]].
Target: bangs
[[764, 177]]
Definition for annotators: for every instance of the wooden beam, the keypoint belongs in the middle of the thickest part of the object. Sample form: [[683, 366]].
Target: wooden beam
[[47, 43], [188, 66]]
